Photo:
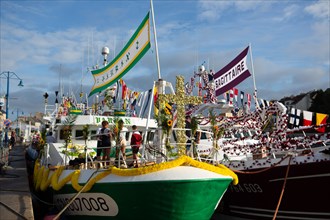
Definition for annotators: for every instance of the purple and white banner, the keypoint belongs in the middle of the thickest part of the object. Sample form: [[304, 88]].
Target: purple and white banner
[[232, 74]]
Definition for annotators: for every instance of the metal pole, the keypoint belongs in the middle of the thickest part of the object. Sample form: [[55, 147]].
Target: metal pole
[[155, 36], [148, 119], [252, 66], [254, 80], [7, 109], [7, 96]]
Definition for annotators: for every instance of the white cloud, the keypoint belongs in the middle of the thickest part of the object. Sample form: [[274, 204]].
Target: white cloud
[[320, 9], [213, 10], [288, 12]]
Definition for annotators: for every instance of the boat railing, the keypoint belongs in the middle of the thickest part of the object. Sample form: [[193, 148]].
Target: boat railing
[[153, 149]]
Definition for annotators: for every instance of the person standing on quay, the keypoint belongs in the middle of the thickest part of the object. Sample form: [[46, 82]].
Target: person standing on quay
[[12, 140]]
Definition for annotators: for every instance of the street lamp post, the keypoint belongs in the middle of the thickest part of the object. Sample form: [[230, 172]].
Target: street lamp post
[[9, 75]]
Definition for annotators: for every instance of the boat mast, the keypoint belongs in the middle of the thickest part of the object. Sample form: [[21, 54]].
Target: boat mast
[[160, 83], [254, 79], [155, 36]]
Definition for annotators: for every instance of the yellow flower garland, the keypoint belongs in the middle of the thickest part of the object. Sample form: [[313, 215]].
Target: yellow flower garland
[[39, 177], [35, 170], [54, 180], [45, 181], [74, 176]]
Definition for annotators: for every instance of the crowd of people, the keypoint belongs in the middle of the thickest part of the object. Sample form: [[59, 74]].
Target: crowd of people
[[9, 137], [116, 137]]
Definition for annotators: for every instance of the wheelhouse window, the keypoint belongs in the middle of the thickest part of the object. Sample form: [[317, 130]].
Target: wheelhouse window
[[63, 134], [79, 134], [93, 135]]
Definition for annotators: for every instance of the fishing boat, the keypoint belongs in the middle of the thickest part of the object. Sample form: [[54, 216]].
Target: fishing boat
[[283, 176], [163, 187], [275, 171], [176, 187], [283, 172]]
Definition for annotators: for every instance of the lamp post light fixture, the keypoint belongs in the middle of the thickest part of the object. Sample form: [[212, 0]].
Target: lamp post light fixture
[[10, 75]]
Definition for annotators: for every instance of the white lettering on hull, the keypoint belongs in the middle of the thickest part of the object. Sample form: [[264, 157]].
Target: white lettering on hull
[[94, 204], [247, 187]]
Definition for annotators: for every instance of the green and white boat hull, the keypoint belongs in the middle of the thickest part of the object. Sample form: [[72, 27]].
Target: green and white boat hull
[[182, 192]]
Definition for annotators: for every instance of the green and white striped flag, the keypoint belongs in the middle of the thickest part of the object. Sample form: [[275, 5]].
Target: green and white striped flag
[[133, 51]]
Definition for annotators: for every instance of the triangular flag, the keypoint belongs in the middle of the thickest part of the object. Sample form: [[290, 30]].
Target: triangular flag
[[320, 120]]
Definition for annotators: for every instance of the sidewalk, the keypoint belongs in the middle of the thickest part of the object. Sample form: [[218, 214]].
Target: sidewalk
[[15, 197]]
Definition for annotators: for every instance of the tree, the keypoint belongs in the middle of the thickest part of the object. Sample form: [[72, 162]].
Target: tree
[[321, 103]]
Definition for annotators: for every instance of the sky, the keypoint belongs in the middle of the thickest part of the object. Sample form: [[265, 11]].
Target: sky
[[53, 44]]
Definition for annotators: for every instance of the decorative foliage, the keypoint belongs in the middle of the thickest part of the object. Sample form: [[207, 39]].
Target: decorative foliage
[[180, 99], [217, 131], [76, 150], [165, 122], [85, 132], [194, 125]]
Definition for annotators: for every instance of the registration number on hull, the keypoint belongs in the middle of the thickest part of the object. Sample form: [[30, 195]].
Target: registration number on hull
[[97, 204]]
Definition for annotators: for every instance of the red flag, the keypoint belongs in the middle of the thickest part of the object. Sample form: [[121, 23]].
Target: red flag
[[248, 99], [124, 90], [199, 89], [235, 93], [231, 96], [307, 118]]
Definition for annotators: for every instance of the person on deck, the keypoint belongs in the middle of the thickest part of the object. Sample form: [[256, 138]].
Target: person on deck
[[136, 141], [121, 139], [50, 138], [104, 142]]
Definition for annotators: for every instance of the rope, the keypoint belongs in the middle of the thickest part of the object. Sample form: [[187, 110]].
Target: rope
[[13, 211], [73, 198], [283, 187], [263, 170]]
